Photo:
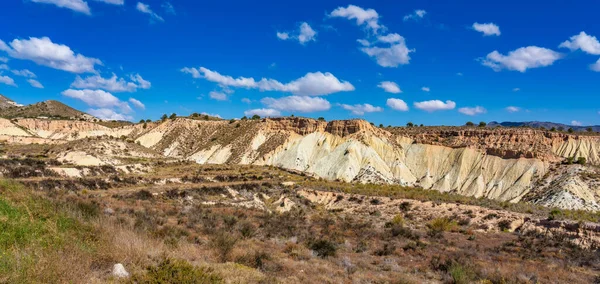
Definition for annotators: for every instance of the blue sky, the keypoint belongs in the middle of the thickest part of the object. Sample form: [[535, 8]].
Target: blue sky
[[390, 62]]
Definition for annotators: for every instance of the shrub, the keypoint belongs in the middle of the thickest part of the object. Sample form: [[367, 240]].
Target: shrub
[[256, 117], [581, 160], [504, 225], [570, 130], [321, 119], [173, 116], [323, 248], [439, 225], [224, 243], [482, 124], [410, 124], [554, 213], [405, 206], [176, 271], [469, 123]]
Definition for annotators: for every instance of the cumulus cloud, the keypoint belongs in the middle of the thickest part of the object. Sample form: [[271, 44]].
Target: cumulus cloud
[[390, 87], [264, 112], [283, 36], [75, 5], [472, 110], [144, 8], [219, 96], [512, 109], [35, 83], [516, 89], [297, 103], [44, 52], [24, 73], [425, 89], [487, 29], [361, 109], [137, 103], [368, 17], [416, 15], [4, 67], [112, 84], [588, 44], [3, 59], [363, 42], [595, 66], [311, 84], [305, 34], [435, 105], [576, 123], [396, 53], [246, 101], [108, 114], [98, 98], [397, 104], [114, 2], [7, 81], [521, 59]]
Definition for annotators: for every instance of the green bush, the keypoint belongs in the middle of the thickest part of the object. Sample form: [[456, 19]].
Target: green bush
[[176, 271], [439, 225]]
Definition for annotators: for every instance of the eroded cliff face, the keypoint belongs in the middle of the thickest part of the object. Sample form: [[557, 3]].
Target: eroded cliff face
[[502, 164]]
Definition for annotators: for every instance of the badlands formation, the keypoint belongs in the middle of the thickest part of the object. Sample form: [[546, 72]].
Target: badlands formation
[[506, 164]]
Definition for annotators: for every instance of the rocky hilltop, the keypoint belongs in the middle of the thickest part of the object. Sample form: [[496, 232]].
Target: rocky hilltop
[[506, 164]]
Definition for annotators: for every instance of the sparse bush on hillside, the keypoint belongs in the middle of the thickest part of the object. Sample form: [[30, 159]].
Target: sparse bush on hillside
[[323, 248], [255, 117], [176, 271], [581, 160], [410, 124], [321, 119], [439, 225], [482, 124], [469, 123], [173, 116], [570, 130]]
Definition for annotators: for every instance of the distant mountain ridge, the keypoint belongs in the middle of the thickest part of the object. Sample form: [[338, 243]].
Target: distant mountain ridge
[[49, 109], [545, 124]]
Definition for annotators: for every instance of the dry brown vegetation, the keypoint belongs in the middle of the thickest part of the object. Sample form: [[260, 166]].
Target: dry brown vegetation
[[186, 223]]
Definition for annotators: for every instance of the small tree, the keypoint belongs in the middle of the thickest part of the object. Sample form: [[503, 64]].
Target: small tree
[[410, 124], [148, 120], [231, 121], [560, 128], [173, 116], [570, 130], [244, 118], [581, 160], [256, 117], [482, 124], [142, 121], [164, 117], [589, 129], [553, 129], [321, 118], [381, 125], [469, 123]]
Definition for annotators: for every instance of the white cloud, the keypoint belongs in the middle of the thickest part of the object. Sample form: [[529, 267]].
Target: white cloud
[[417, 14], [435, 105], [283, 36], [390, 87], [264, 112], [459, 74], [392, 56], [588, 44], [595, 66], [4, 67], [137, 103], [516, 89], [361, 109], [44, 52], [304, 35], [3, 59], [472, 110], [114, 2], [297, 103], [311, 84], [397, 104], [24, 73], [75, 5], [98, 98], [108, 114], [362, 16], [513, 109], [246, 101], [35, 83], [487, 29], [169, 9], [425, 89], [144, 8], [521, 59], [211, 114], [363, 42], [390, 38], [219, 96], [576, 123], [7, 81], [112, 84]]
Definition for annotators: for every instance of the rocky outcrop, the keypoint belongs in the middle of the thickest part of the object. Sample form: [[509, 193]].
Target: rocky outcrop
[[502, 164]]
